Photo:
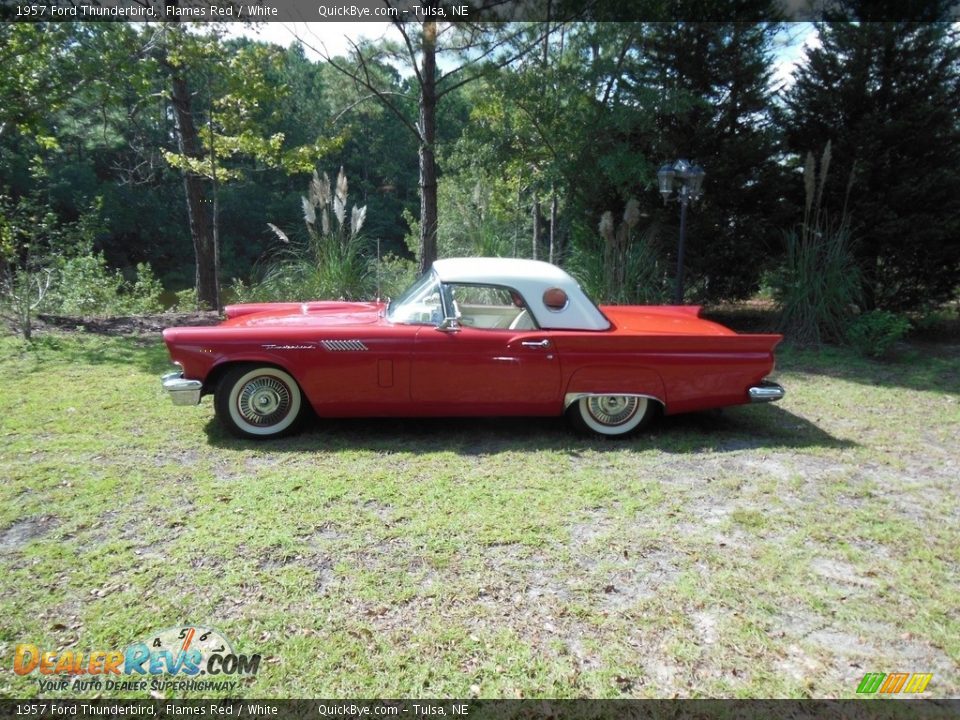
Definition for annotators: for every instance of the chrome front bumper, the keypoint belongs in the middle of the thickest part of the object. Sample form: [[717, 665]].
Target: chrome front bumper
[[766, 391], [182, 392]]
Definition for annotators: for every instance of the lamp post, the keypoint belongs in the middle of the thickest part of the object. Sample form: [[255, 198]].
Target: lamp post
[[687, 180]]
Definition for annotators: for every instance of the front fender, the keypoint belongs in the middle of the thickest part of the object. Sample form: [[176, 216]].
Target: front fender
[[224, 363]]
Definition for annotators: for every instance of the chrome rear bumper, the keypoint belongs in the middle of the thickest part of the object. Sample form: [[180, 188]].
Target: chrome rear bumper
[[182, 392], [766, 391]]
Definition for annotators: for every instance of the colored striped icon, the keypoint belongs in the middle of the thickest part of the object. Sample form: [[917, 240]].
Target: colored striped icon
[[892, 683]]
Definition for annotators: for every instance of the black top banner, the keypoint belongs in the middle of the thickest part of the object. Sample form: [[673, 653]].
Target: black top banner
[[477, 10], [490, 709]]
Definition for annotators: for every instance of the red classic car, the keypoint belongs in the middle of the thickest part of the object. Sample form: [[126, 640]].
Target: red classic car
[[472, 337]]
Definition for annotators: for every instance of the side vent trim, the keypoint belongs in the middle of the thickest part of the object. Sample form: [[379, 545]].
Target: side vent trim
[[344, 345]]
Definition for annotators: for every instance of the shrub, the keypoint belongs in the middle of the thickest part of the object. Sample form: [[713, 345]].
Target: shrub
[[144, 295], [86, 286], [332, 263], [240, 292], [186, 300], [933, 320], [29, 237], [875, 332], [629, 270]]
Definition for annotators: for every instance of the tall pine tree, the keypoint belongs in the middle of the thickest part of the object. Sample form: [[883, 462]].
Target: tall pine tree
[[715, 83], [886, 96]]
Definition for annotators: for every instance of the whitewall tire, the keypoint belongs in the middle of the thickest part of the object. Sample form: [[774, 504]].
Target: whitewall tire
[[258, 402], [612, 415]]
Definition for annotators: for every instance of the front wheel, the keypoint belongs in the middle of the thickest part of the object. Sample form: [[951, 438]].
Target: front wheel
[[612, 415], [258, 402]]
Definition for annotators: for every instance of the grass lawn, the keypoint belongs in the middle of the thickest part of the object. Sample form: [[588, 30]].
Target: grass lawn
[[778, 550]]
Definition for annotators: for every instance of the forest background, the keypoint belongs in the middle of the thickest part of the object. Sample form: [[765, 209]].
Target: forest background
[[144, 166]]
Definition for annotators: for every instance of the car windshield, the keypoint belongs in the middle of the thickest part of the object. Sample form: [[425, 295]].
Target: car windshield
[[420, 304]]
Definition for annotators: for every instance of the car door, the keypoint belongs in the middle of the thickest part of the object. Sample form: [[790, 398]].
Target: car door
[[479, 367]]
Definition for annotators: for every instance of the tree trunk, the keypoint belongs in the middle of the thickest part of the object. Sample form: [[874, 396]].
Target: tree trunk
[[428, 162], [536, 229], [554, 248], [198, 210]]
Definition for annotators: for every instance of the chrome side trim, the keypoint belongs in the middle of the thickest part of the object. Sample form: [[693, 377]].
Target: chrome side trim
[[766, 391], [344, 345], [570, 398], [182, 392]]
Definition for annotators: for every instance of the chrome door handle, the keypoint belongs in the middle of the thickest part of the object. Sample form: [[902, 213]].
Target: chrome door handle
[[541, 344]]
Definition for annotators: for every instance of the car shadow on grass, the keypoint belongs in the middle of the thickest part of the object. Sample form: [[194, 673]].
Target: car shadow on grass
[[718, 431]]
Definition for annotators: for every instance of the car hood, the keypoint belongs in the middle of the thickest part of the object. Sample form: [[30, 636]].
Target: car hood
[[313, 314]]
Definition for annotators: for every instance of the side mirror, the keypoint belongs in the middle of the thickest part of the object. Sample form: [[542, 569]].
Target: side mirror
[[449, 325]]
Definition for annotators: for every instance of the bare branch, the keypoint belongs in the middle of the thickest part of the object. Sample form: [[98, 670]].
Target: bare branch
[[471, 45], [365, 80], [495, 66], [371, 96]]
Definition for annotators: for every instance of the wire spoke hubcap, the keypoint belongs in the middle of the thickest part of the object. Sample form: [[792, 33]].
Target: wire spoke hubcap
[[613, 409], [264, 401]]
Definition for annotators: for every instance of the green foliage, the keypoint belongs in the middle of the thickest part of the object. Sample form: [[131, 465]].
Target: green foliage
[[379, 158], [933, 320], [587, 118], [86, 286], [818, 285], [473, 222], [239, 291], [31, 242], [187, 300], [394, 275], [592, 117], [42, 65], [83, 284], [46, 266], [644, 272], [243, 100], [875, 332]]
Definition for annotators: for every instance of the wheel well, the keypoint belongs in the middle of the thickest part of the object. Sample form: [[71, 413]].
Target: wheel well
[[216, 374], [570, 399]]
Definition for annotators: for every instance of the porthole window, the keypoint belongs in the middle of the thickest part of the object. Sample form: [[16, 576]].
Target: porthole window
[[555, 299]]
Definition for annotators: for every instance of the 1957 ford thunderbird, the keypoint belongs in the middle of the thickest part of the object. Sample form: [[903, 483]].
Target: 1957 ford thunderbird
[[472, 337]]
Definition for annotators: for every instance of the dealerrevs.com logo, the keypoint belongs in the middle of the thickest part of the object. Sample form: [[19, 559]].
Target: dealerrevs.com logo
[[893, 683], [196, 658]]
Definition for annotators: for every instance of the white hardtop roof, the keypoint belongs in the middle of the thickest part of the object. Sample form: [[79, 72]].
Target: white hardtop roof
[[496, 270], [530, 278]]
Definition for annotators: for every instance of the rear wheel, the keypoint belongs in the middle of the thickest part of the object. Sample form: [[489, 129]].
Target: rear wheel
[[258, 402], [612, 415]]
